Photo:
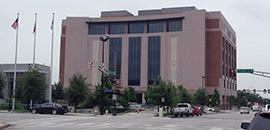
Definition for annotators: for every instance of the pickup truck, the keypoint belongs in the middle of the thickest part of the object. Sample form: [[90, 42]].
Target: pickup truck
[[183, 109]]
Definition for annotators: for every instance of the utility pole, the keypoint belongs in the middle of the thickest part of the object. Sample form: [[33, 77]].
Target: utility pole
[[102, 77]]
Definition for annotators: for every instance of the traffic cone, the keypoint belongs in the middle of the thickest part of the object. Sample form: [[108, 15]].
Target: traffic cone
[[138, 111]]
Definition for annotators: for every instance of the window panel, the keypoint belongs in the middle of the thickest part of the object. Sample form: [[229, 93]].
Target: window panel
[[97, 29], [115, 47], [136, 28], [117, 28], [174, 25], [155, 27], [134, 64], [153, 58]]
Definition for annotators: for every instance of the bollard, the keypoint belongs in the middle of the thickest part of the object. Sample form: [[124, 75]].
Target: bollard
[[106, 112]]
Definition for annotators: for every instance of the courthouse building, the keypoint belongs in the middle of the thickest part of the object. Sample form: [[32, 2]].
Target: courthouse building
[[189, 47]]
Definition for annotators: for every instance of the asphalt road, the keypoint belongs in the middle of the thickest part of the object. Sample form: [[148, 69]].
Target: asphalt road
[[28, 121]]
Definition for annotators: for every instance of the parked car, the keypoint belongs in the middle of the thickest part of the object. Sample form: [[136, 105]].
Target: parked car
[[208, 108], [244, 110], [183, 109], [197, 111], [259, 122], [49, 108]]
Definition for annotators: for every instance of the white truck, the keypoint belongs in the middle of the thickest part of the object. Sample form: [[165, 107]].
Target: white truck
[[183, 109]]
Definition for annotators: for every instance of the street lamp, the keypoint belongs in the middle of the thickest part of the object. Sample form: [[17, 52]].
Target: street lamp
[[203, 77], [102, 91]]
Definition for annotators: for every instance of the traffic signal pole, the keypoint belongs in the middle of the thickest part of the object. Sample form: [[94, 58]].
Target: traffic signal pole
[[114, 86]]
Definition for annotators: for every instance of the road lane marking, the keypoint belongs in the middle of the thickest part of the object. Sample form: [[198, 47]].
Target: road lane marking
[[84, 124], [216, 128]]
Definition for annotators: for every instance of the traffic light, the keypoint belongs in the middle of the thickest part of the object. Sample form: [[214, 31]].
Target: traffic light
[[268, 91], [264, 91], [232, 72], [254, 91], [117, 91], [244, 90], [117, 83], [89, 65]]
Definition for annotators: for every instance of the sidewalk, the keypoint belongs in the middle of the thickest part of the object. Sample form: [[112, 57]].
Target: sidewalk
[[141, 114]]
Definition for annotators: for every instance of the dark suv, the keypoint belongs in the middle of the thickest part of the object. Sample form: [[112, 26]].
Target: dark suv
[[259, 122], [49, 108]]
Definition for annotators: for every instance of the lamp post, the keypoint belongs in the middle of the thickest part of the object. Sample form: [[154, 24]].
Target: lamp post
[[102, 91], [203, 77]]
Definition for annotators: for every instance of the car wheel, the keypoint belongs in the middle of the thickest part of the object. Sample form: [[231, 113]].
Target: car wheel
[[34, 111], [181, 115], [187, 115], [175, 115], [197, 114], [241, 113], [192, 114], [54, 112]]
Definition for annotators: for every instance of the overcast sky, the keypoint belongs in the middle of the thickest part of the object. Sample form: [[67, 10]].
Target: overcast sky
[[249, 18]]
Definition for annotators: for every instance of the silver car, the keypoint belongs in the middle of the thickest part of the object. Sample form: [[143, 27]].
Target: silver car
[[244, 110]]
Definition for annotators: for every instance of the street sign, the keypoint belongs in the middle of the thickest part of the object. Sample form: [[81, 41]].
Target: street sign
[[114, 97], [109, 90], [112, 73], [245, 70]]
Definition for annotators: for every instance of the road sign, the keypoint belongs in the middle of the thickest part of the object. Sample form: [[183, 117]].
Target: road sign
[[245, 70], [109, 90], [112, 73], [114, 97]]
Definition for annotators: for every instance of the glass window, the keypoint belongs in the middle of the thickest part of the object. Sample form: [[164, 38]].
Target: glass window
[[155, 27], [117, 28], [115, 47], [153, 58], [136, 28], [174, 25], [97, 29], [134, 61]]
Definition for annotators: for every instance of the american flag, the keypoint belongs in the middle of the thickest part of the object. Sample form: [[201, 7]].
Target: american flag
[[15, 24]]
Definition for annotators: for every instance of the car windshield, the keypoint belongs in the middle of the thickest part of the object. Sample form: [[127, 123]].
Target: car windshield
[[260, 122], [182, 105]]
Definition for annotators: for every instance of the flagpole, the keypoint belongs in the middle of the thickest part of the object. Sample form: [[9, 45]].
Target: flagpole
[[50, 85], [15, 66], [35, 31]]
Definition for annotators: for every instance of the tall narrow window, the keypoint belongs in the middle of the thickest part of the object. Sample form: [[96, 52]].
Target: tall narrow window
[[134, 61], [115, 51], [153, 58]]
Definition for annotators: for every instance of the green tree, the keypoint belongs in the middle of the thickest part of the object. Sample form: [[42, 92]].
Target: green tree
[[183, 95], [201, 97], [232, 101], [215, 98], [77, 90], [107, 97], [129, 95], [160, 89], [33, 86], [58, 91], [2, 85]]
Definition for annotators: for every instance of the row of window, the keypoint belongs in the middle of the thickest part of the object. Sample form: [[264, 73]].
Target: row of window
[[228, 58], [229, 85], [134, 64], [136, 27]]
